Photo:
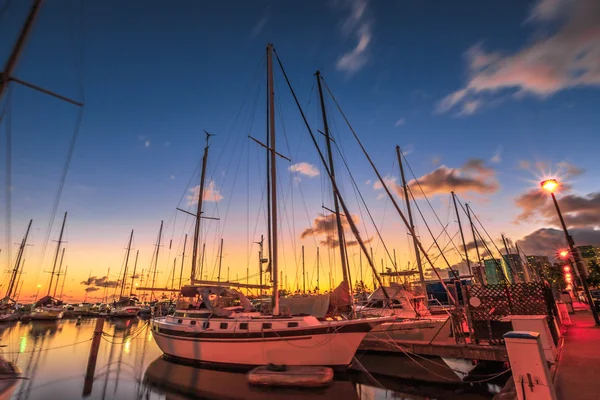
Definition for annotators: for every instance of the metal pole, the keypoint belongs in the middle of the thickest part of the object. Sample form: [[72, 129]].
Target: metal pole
[[578, 263], [182, 260], [303, 273], [410, 221], [62, 230], [509, 262], [273, 176], [11, 63], [480, 272], [462, 236], [318, 280], [336, 204]]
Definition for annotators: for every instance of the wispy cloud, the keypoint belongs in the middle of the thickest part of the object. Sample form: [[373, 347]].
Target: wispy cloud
[[259, 26], [400, 122], [211, 194], [357, 24], [497, 157], [305, 169], [568, 58]]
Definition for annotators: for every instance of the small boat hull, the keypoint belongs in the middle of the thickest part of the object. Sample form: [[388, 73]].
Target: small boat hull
[[47, 314], [125, 312], [298, 376], [9, 317]]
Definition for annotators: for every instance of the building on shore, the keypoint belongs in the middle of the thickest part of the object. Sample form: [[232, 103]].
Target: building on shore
[[539, 264]]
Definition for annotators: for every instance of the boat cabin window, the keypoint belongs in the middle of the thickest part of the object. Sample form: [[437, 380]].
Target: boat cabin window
[[179, 314], [206, 325], [243, 325], [266, 325], [375, 304], [179, 321], [396, 304], [223, 325], [192, 322], [292, 324]]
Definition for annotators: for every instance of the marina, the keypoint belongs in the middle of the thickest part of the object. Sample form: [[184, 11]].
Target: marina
[[301, 251]]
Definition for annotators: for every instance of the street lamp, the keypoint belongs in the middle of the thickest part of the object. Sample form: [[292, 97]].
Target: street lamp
[[550, 185]]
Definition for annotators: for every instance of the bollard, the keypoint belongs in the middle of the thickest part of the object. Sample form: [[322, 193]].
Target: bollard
[[529, 367], [536, 323], [91, 366]]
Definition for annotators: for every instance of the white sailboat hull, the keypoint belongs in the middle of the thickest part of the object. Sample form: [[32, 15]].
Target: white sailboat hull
[[330, 344], [53, 313]]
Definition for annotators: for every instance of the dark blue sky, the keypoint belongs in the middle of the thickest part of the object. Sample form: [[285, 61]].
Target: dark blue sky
[[156, 73]]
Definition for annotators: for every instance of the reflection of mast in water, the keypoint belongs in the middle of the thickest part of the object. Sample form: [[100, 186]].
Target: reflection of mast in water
[[31, 368], [141, 387], [126, 333], [108, 365]]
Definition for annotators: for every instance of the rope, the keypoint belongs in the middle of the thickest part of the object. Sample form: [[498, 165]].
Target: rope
[[48, 349]]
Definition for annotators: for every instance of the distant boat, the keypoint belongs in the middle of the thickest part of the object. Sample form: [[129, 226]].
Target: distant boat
[[8, 306], [47, 308], [126, 307]]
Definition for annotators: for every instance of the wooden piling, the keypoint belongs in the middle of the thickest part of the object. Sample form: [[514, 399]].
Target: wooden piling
[[91, 366]]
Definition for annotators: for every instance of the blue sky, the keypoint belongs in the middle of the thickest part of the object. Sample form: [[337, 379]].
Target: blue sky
[[156, 75]]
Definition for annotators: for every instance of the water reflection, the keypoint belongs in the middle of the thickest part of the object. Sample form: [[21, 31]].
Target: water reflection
[[53, 355]]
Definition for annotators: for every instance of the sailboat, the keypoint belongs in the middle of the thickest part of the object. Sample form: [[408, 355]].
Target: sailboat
[[48, 307], [207, 331], [126, 307], [8, 311]]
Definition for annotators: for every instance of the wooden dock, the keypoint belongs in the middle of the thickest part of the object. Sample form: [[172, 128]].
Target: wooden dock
[[440, 349]]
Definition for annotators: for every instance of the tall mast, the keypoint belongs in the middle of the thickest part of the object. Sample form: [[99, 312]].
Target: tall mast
[[268, 163], [462, 235], [220, 260], [126, 262], [105, 299], [202, 259], [58, 274], [199, 211], [261, 261], [318, 279], [137, 253], [508, 260], [182, 260], [336, 204], [11, 63], [173, 276], [157, 251], [273, 178], [303, 273], [62, 287], [480, 269], [411, 222], [15, 273], [62, 230]]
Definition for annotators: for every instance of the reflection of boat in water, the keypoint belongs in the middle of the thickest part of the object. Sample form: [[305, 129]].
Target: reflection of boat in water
[[169, 377], [42, 328], [9, 376]]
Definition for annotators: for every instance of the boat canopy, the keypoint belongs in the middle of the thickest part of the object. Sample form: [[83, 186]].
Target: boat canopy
[[395, 292], [48, 301]]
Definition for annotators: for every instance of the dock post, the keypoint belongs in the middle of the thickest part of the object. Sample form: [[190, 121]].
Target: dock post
[[529, 366], [91, 366]]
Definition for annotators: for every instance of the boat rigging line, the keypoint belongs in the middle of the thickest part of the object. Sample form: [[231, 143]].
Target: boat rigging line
[[387, 190], [341, 200]]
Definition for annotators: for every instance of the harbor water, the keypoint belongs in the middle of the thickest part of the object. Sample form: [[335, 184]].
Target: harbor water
[[53, 357]]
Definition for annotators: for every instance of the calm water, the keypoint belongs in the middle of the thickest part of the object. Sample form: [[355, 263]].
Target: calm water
[[54, 355]]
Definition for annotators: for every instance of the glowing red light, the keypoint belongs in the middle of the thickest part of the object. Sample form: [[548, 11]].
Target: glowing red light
[[567, 268], [564, 253]]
